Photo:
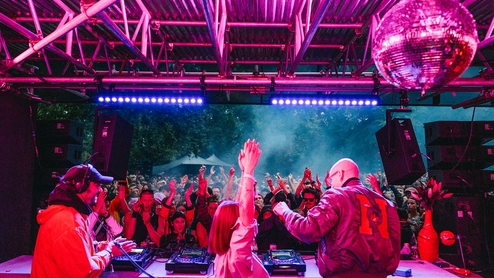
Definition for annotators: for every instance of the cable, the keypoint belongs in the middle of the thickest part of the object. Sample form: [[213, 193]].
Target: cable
[[469, 140], [131, 260], [90, 157], [116, 243], [430, 159]]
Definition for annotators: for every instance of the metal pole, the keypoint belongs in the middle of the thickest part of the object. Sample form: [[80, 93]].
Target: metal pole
[[78, 20], [208, 14], [321, 11], [30, 35], [114, 28]]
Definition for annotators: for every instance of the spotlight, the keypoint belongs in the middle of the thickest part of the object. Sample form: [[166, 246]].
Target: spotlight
[[153, 100], [325, 100]]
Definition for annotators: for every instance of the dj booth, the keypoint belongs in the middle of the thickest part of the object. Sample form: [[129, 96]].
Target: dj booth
[[21, 267]]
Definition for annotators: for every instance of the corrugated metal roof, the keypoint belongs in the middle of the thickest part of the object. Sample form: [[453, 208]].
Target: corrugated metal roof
[[260, 33]]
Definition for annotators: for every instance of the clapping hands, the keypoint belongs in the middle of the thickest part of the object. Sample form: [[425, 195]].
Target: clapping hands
[[249, 156]]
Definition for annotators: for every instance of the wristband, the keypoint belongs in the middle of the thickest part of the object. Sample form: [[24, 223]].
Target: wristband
[[250, 177], [110, 253]]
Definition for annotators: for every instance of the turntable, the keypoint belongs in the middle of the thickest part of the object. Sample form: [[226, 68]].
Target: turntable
[[284, 260], [141, 256], [189, 260]]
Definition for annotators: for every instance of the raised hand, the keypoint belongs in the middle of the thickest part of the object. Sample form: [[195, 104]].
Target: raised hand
[[270, 183], [249, 156], [146, 218], [172, 186], [371, 178], [327, 180], [201, 172], [282, 185], [211, 171], [307, 173], [232, 170], [203, 183], [137, 206], [187, 194], [100, 203], [189, 190]]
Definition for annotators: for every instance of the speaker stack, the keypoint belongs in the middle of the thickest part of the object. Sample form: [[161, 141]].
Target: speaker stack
[[59, 146], [458, 157]]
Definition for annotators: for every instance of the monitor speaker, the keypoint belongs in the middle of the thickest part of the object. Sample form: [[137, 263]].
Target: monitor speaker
[[400, 153], [112, 142]]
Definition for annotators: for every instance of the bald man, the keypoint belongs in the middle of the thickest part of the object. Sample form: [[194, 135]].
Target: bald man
[[357, 229]]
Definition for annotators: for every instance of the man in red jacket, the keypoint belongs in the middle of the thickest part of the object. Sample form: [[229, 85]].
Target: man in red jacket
[[357, 229], [64, 247]]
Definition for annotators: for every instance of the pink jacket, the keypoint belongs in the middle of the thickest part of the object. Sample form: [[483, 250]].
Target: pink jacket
[[64, 247], [357, 229], [239, 261]]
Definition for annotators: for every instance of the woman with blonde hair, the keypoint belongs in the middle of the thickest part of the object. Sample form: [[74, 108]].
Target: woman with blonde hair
[[234, 228]]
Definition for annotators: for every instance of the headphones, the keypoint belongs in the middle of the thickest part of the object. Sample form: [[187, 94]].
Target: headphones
[[84, 184]]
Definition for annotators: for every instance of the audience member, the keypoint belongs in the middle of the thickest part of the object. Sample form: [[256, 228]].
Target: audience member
[[415, 217], [273, 231], [310, 198], [135, 227]]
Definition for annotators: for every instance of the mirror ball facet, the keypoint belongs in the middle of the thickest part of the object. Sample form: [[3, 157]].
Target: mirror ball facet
[[424, 44]]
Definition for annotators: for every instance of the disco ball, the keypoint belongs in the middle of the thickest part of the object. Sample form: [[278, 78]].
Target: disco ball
[[423, 44]]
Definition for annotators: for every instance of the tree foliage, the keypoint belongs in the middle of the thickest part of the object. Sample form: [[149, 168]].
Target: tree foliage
[[291, 138]]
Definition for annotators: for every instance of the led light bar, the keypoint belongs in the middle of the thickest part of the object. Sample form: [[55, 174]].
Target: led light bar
[[324, 100], [154, 100]]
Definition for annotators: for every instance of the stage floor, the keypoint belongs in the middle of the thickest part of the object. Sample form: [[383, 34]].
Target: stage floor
[[21, 267]]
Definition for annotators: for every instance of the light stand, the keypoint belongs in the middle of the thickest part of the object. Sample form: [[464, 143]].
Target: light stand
[[448, 238]]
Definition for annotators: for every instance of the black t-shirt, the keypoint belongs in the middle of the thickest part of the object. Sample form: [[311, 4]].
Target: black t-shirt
[[171, 242], [141, 233]]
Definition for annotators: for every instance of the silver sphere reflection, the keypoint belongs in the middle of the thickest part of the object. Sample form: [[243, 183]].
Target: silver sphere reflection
[[423, 44]]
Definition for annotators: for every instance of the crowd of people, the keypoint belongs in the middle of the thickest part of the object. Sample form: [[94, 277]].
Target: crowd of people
[[357, 225]]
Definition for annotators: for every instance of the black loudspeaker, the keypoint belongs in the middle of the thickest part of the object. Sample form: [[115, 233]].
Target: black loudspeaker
[[464, 216], [447, 156], [400, 154], [465, 180], [62, 131], [458, 132], [60, 155], [112, 142]]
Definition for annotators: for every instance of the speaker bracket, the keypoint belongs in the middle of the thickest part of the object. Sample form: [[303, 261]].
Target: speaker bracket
[[391, 149]]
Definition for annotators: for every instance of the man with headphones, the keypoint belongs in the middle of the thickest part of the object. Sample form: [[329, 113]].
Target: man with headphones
[[64, 247]]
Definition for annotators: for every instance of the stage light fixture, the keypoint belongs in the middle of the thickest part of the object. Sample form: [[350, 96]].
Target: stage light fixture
[[325, 100], [155, 100]]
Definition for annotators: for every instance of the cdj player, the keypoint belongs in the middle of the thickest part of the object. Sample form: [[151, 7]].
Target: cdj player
[[286, 260], [189, 260], [141, 256]]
